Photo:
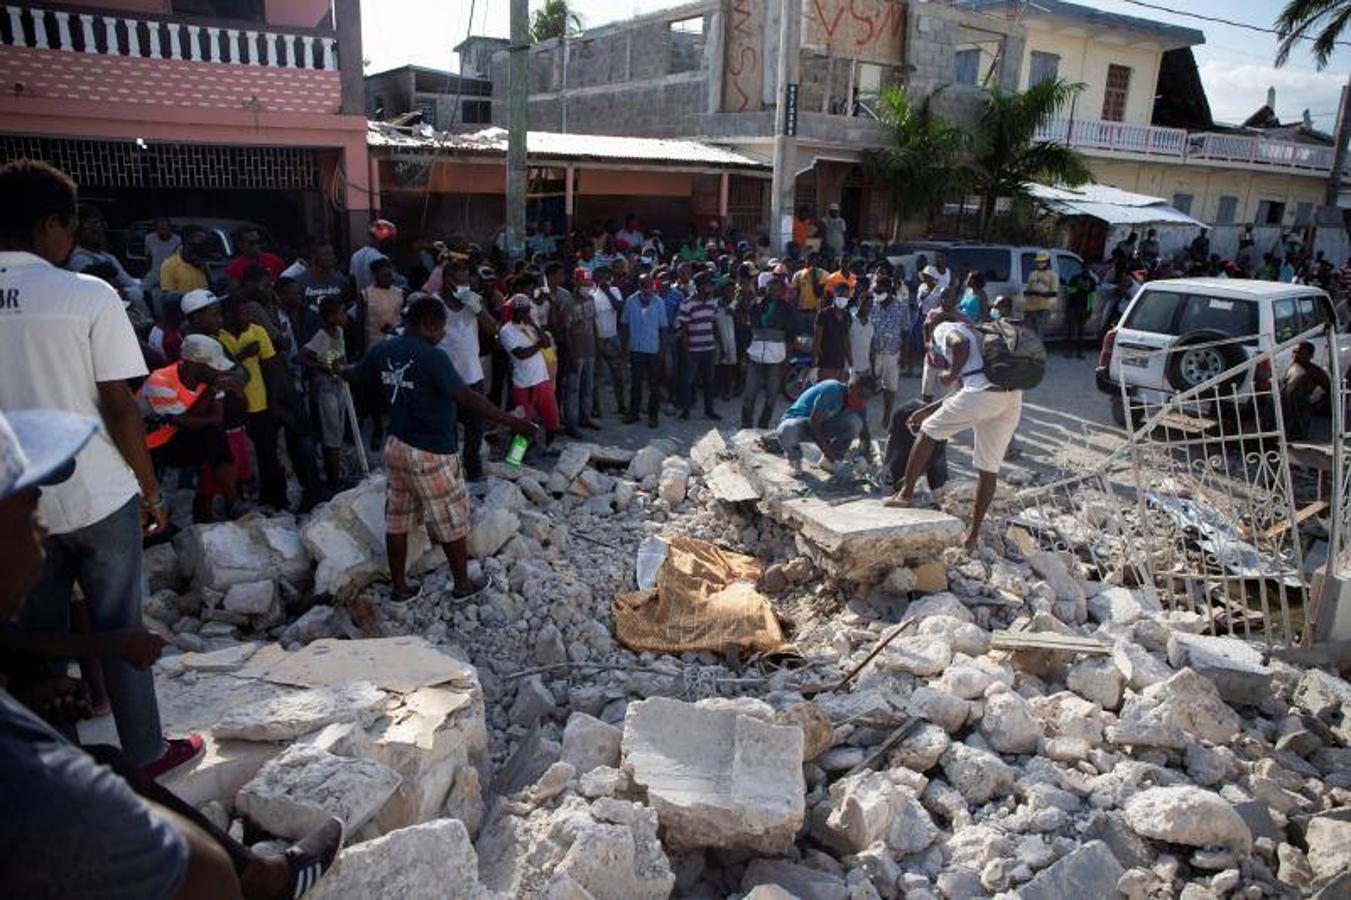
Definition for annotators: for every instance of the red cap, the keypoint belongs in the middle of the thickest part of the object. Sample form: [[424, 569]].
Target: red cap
[[582, 275]]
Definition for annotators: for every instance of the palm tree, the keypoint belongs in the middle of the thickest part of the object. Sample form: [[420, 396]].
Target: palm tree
[[553, 20], [1009, 156], [922, 165], [1321, 21]]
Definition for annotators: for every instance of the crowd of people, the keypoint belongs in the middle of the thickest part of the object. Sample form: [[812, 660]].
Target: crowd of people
[[256, 382]]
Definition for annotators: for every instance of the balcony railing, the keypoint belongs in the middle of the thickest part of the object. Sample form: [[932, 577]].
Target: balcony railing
[[1258, 152], [117, 35], [1120, 136], [1177, 143]]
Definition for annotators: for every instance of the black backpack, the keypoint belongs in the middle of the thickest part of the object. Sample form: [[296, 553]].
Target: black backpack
[[1014, 357]]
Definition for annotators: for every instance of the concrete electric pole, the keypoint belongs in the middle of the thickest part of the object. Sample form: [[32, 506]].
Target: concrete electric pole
[[1343, 134], [518, 94], [784, 185]]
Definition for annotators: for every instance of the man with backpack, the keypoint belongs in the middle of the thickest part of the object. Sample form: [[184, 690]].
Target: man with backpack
[[994, 365]]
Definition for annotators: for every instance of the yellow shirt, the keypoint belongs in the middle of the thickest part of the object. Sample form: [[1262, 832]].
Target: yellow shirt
[[1042, 287], [255, 391], [803, 281], [180, 276]]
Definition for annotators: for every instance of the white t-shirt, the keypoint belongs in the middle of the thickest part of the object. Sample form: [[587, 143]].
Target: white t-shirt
[[607, 319], [974, 361], [461, 340], [524, 372], [860, 345], [60, 335]]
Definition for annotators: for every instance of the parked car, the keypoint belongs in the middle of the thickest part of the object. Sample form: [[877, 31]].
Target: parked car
[[220, 240], [1005, 268], [1210, 325]]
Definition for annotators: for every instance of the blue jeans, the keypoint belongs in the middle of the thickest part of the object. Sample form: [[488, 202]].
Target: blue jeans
[[105, 560], [578, 386], [839, 432]]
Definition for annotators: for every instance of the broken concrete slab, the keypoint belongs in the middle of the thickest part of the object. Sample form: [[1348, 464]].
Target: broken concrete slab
[[979, 775], [297, 791], [728, 484], [431, 861], [792, 880], [1328, 698], [589, 743], [1234, 665], [253, 548], [869, 807], [1168, 713], [399, 664], [1182, 814], [1121, 605], [708, 451], [290, 715], [608, 849], [716, 777], [1088, 871], [1329, 841], [861, 540]]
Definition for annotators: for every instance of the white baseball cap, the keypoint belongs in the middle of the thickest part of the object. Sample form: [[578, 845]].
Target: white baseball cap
[[199, 299], [199, 348], [38, 447]]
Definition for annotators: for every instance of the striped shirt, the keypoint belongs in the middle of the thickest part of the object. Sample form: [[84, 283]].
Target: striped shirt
[[698, 316]]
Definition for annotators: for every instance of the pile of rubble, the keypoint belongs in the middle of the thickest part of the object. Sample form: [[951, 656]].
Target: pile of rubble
[[952, 726]]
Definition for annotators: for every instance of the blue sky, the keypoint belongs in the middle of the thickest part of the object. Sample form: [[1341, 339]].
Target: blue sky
[[1235, 63]]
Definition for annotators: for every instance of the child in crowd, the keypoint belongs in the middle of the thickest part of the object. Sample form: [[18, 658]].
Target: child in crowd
[[166, 338], [325, 353]]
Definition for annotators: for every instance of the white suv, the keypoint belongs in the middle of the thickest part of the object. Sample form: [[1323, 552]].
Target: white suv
[[1215, 324]]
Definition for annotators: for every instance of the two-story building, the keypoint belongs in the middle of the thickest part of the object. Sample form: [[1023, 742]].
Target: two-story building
[[248, 110], [447, 101], [708, 70], [1143, 123]]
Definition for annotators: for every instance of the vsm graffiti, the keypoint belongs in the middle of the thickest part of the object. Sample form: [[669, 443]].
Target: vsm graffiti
[[875, 26]]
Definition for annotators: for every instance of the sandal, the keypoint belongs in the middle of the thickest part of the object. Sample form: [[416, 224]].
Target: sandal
[[311, 856]]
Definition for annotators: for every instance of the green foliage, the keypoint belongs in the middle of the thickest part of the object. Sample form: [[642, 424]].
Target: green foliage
[[553, 20], [1323, 21], [1008, 155], [922, 166]]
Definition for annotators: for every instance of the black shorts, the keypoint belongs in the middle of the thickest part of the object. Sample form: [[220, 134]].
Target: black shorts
[[190, 447]]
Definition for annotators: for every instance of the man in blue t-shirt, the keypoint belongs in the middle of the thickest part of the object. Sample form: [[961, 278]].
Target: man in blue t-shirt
[[829, 413], [425, 477]]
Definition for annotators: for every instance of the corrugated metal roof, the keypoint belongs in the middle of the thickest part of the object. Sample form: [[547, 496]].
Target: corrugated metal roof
[[1112, 205], [555, 145]]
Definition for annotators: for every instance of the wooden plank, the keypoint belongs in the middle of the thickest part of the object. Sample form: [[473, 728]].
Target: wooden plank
[[1301, 517], [902, 731], [1048, 640]]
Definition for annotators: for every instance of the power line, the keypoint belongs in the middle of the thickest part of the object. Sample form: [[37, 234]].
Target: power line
[[1216, 19]]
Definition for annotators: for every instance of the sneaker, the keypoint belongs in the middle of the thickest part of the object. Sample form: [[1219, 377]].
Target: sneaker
[[177, 752], [589, 425], [311, 856]]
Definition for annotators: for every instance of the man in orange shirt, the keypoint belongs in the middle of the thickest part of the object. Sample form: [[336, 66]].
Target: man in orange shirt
[[802, 227], [184, 419]]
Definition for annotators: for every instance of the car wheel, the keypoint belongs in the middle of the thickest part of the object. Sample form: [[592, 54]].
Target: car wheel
[[1118, 412], [1197, 358]]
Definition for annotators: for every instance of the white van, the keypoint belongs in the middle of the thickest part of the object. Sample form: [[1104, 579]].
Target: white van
[[1215, 324], [1005, 268]]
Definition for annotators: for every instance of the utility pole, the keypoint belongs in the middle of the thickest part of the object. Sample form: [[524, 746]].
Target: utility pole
[[784, 185], [1334, 188], [517, 99]]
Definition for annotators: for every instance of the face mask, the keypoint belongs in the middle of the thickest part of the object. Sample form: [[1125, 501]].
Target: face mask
[[841, 302], [463, 292], [996, 315]]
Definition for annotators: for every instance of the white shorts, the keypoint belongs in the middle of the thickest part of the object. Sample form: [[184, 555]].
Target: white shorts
[[992, 417], [887, 368]]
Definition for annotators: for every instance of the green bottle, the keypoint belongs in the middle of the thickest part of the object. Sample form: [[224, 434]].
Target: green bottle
[[516, 451]]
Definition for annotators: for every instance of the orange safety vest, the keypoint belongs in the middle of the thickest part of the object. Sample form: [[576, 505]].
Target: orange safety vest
[[165, 393]]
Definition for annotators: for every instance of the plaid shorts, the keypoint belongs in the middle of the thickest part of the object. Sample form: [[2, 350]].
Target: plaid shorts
[[426, 486]]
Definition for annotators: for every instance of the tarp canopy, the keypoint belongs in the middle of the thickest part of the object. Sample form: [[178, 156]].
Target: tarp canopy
[[1112, 205]]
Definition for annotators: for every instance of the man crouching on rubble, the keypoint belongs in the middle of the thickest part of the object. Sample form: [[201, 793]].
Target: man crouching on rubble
[[85, 822], [992, 413], [831, 414]]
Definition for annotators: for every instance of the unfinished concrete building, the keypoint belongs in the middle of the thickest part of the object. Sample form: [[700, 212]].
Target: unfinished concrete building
[[708, 70]]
